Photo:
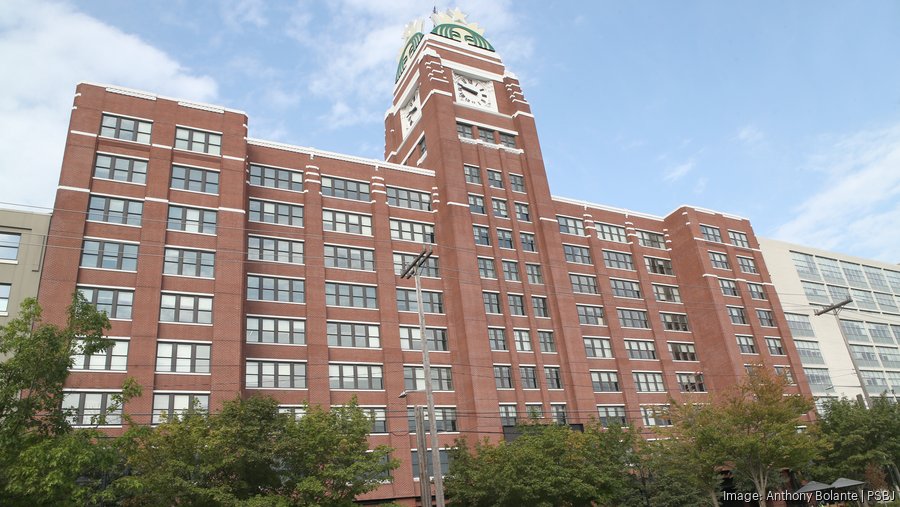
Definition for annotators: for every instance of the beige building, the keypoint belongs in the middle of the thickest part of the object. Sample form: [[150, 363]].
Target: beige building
[[858, 347], [23, 237]]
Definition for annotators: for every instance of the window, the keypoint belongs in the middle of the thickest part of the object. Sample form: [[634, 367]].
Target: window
[[89, 409], [597, 347], [430, 268], [746, 344], [854, 330], [192, 220], [473, 174], [346, 257], [691, 382], [785, 371], [283, 331], [497, 338], [507, 140], [346, 294], [113, 358], [174, 357], [840, 294], [350, 223], [129, 129], [482, 235], [659, 266], [517, 183], [539, 304], [545, 338], [590, 315], [276, 213], [737, 315], [352, 334], [729, 287], [534, 274], [864, 355], [261, 248], [527, 240], [99, 254], [115, 211], [863, 299], [887, 303], [613, 233], [464, 130], [605, 381], [409, 231], [432, 302], [486, 135], [436, 338], [414, 378], [651, 239], [476, 205], [511, 271], [625, 288], [486, 268], [181, 308], [757, 291], [346, 189], [522, 338], [495, 179], [378, 416], [516, 304], [738, 239], [270, 288], [809, 352], [799, 324], [554, 379], [889, 356], [805, 265], [584, 284], [710, 233], [276, 178], [119, 168], [195, 180], [170, 406], [830, 269], [818, 377], [558, 413], [367, 377], [522, 212], [612, 416], [666, 293], [880, 333], [275, 375], [502, 377], [444, 419], [408, 199], [747, 265], [491, 302], [508, 415], [682, 351], [766, 318], [854, 275], [633, 318], [577, 254], [674, 321], [504, 238], [655, 416], [649, 382], [640, 349], [198, 141], [815, 292], [618, 260], [719, 260], [178, 261], [115, 302], [9, 246], [774, 345], [569, 225]]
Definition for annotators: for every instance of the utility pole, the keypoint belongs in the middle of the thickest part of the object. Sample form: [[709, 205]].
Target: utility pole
[[414, 270], [836, 308]]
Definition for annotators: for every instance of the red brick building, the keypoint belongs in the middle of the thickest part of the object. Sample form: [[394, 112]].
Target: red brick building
[[234, 266]]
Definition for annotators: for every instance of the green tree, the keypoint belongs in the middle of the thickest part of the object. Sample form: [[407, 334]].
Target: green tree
[[858, 438], [40, 456], [672, 475], [696, 441], [250, 454]]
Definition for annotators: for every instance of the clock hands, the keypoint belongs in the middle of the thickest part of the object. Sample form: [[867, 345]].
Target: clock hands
[[470, 90]]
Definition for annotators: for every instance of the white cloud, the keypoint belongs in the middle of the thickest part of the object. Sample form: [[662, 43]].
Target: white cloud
[[856, 208], [237, 13], [677, 172], [46, 48], [750, 134]]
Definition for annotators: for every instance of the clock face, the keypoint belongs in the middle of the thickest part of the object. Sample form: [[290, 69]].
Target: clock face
[[410, 112], [474, 91]]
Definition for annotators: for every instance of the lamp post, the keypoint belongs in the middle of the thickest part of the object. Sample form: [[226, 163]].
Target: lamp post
[[836, 308], [414, 270]]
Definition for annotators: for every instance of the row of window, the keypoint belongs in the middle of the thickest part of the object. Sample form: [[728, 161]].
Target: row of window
[[730, 288], [736, 238], [467, 131], [851, 274], [860, 299], [499, 208], [601, 348], [738, 316], [139, 131], [719, 260], [504, 238], [494, 178], [860, 331]]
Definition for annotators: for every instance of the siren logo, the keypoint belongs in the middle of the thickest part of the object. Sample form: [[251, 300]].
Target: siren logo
[[411, 45], [463, 34]]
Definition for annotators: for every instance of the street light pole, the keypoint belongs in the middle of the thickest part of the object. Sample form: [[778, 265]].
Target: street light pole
[[414, 270], [836, 308]]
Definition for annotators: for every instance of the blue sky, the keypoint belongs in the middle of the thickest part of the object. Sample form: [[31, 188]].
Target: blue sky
[[787, 113]]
